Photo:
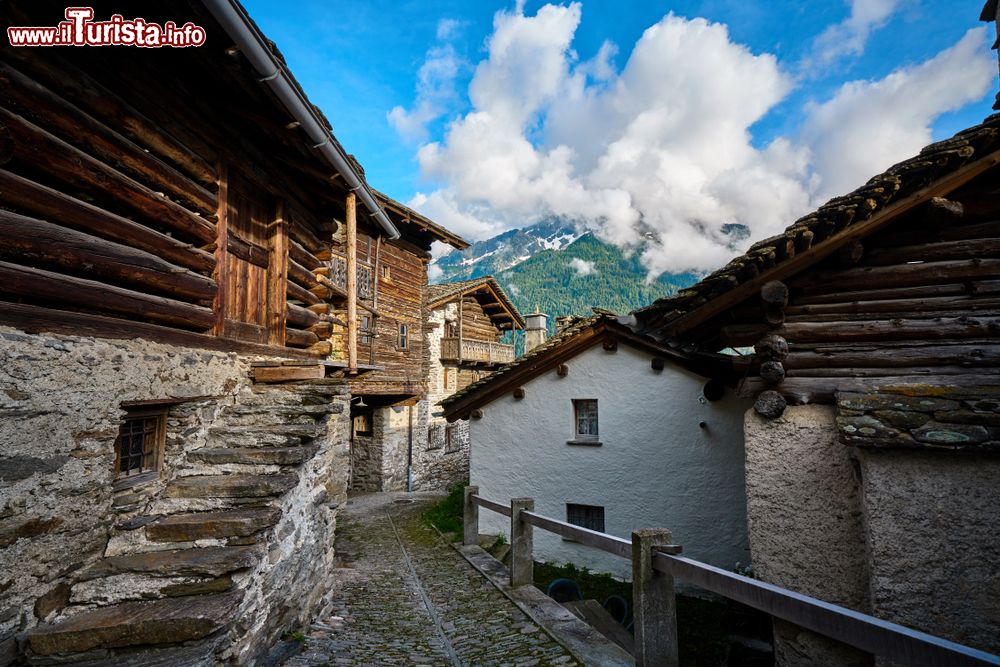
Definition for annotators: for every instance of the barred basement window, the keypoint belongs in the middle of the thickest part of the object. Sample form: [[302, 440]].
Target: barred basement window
[[586, 516], [141, 437]]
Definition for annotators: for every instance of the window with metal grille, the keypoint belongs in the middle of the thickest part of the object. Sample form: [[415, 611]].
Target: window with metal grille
[[139, 446], [586, 516], [585, 418], [404, 337]]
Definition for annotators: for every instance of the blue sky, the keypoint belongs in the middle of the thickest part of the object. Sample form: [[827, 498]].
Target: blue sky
[[360, 60]]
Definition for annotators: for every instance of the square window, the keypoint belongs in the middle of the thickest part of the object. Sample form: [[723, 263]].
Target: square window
[[140, 441], [586, 516], [404, 337], [585, 419]]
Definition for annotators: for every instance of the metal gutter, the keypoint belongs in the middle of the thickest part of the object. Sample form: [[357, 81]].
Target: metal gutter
[[237, 24]]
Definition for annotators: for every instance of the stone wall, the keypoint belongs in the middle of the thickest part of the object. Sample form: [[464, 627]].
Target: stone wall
[[804, 519], [933, 527], [379, 461], [437, 467], [66, 534]]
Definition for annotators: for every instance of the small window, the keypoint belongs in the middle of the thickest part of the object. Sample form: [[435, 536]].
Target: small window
[[139, 446], [386, 272], [446, 380], [366, 325], [363, 423], [585, 419], [451, 442], [404, 337], [434, 437], [586, 516], [451, 330]]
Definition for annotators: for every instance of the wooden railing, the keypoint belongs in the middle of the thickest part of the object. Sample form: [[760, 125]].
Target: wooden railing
[[365, 272], [655, 565], [470, 349]]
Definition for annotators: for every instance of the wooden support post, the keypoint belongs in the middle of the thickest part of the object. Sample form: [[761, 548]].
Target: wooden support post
[[352, 282], [470, 533], [654, 606], [277, 300], [521, 544], [221, 254], [461, 307]]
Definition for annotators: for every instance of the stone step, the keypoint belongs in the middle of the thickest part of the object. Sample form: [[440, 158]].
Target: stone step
[[206, 562], [231, 486], [206, 525], [282, 456], [251, 439], [310, 430], [167, 621]]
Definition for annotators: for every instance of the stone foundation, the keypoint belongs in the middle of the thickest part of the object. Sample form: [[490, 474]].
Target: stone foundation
[[236, 530]]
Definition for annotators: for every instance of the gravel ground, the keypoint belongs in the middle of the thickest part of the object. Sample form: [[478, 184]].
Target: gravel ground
[[404, 597]]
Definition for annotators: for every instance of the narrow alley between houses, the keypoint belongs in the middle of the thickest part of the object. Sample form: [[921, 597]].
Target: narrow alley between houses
[[402, 596]]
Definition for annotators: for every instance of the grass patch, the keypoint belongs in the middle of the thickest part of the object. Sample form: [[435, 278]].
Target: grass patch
[[447, 514]]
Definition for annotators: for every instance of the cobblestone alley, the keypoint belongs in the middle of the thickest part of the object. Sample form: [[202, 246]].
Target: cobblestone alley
[[403, 597]]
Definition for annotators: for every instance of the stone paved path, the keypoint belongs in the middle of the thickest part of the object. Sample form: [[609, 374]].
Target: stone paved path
[[403, 597]]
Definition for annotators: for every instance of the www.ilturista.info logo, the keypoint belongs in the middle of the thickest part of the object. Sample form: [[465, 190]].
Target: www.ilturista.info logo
[[79, 29]]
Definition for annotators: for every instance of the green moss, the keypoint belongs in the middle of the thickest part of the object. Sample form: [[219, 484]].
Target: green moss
[[447, 514], [297, 636]]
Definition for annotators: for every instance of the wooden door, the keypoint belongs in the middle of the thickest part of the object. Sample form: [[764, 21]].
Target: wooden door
[[247, 262]]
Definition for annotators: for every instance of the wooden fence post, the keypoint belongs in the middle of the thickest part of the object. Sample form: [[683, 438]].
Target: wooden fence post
[[521, 544], [654, 608], [470, 532]]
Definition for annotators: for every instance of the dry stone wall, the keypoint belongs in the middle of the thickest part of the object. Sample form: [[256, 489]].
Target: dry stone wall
[[269, 463]]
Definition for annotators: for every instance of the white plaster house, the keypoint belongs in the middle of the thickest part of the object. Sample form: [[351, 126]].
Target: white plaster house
[[605, 429]]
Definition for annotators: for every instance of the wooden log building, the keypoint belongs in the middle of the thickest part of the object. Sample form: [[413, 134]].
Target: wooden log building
[[194, 278]]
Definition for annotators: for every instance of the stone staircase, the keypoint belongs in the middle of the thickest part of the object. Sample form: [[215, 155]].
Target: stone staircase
[[191, 554]]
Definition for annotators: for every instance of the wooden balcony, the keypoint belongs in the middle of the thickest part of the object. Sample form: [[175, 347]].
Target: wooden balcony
[[476, 351]]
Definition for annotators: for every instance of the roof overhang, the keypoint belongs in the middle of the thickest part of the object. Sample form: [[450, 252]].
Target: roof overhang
[[273, 73]]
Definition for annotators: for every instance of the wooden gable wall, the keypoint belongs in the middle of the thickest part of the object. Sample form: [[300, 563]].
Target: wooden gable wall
[[917, 303], [156, 193]]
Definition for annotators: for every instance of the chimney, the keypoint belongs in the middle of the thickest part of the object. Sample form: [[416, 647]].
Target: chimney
[[535, 332], [564, 321]]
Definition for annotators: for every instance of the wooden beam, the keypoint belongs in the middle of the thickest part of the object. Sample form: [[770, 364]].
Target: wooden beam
[[34, 319], [68, 164], [27, 240], [67, 211], [277, 300], [824, 249], [33, 283], [221, 249], [352, 282]]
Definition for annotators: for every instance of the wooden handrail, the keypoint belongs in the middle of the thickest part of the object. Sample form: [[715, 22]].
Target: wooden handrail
[[861, 631], [864, 632]]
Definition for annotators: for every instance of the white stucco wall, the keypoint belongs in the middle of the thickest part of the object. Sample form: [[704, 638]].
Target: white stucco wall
[[655, 468]]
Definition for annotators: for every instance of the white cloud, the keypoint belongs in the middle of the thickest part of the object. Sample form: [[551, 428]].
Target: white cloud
[[582, 267], [436, 90], [660, 151], [848, 38]]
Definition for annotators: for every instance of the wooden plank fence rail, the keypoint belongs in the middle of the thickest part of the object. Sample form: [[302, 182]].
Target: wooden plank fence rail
[[655, 566]]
